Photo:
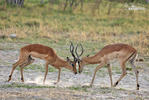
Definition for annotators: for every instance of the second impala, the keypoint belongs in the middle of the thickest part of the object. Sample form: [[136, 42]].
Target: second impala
[[120, 52]]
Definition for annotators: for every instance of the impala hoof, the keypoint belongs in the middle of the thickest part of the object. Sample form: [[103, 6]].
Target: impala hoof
[[8, 80], [90, 85], [85, 86], [43, 83], [22, 79], [138, 86], [115, 84], [80, 72], [55, 83]]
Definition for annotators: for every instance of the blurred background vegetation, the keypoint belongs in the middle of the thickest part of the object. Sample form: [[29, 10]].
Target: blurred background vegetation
[[94, 23]]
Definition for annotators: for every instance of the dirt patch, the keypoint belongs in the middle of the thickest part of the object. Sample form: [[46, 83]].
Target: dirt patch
[[70, 85], [40, 94]]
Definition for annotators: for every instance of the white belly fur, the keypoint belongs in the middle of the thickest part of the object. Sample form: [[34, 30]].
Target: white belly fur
[[112, 57], [38, 55]]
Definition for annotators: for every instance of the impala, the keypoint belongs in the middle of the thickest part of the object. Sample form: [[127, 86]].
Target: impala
[[120, 52], [47, 54]]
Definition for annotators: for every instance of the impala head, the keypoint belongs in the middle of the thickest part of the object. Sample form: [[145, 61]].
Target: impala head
[[74, 61], [81, 63], [72, 64]]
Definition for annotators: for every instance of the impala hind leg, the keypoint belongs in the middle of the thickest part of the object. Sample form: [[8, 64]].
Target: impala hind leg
[[123, 73], [23, 58], [20, 62], [97, 68], [13, 68], [30, 61], [136, 72], [21, 70], [110, 74]]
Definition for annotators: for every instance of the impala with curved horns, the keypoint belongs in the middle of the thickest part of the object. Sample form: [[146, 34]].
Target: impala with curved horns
[[120, 52], [47, 54]]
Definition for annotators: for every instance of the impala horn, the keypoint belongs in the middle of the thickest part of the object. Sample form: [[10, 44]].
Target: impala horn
[[76, 51], [72, 51]]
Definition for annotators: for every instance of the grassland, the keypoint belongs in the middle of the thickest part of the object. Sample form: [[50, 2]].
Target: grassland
[[50, 25]]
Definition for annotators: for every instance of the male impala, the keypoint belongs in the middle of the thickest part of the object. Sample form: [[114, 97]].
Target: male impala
[[121, 52], [47, 54]]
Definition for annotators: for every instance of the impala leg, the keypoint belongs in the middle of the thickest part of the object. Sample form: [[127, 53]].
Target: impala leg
[[123, 73], [23, 58], [14, 67], [136, 72], [110, 74], [97, 68], [30, 61], [21, 70], [46, 72], [59, 73]]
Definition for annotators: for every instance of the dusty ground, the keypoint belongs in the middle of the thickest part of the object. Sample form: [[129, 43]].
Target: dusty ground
[[70, 86]]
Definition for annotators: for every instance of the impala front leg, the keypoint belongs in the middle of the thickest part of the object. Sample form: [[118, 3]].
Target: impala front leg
[[110, 74], [46, 72], [59, 73], [97, 68]]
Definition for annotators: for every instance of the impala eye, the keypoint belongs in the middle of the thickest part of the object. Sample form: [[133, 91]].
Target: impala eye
[[72, 65], [78, 62]]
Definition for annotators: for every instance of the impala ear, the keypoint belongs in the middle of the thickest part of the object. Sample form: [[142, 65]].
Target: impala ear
[[68, 59]]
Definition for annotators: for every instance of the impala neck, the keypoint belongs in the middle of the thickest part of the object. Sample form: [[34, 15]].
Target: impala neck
[[91, 60], [62, 63]]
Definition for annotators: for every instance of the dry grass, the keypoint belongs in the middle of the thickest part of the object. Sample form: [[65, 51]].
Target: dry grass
[[139, 41], [50, 22]]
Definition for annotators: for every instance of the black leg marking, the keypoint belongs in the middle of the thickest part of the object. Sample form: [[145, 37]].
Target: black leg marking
[[138, 85], [138, 72], [9, 76], [116, 83], [22, 79]]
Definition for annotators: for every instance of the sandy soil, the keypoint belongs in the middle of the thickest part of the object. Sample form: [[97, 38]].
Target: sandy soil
[[126, 89]]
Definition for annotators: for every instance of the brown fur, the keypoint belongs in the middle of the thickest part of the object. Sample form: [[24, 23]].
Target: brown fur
[[42, 52], [120, 52]]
